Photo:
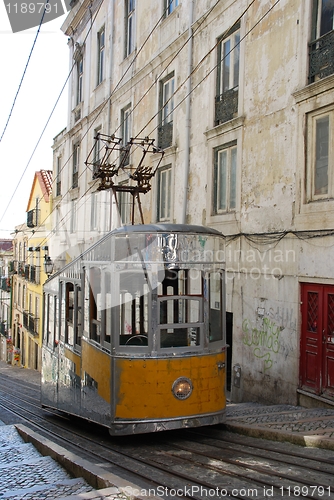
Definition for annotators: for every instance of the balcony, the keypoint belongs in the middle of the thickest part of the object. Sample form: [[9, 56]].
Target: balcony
[[321, 57], [32, 217], [165, 135], [31, 323], [58, 188], [5, 284], [75, 178], [226, 106]]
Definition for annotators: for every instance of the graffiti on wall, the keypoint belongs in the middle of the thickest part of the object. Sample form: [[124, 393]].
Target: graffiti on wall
[[264, 341]]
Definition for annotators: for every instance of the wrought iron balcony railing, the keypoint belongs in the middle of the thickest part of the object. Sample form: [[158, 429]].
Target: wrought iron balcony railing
[[321, 57], [31, 323], [226, 106], [165, 135]]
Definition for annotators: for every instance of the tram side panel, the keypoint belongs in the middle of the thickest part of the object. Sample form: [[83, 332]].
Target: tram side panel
[[96, 384], [69, 386], [49, 378]]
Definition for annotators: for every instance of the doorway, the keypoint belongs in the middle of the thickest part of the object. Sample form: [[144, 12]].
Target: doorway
[[317, 339]]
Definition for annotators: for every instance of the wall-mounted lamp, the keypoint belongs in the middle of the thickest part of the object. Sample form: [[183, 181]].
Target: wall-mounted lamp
[[48, 265]]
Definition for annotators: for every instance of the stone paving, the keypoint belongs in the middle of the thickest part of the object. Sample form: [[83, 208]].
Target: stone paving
[[305, 426], [26, 474]]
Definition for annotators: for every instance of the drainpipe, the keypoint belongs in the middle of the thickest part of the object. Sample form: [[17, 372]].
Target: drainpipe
[[188, 123], [109, 224]]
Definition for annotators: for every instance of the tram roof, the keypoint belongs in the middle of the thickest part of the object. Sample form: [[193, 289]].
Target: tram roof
[[166, 228], [142, 228]]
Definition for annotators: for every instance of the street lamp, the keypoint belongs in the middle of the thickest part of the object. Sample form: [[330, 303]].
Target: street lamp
[[48, 265]]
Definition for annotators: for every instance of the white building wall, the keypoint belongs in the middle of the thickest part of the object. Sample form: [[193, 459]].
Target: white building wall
[[265, 270]]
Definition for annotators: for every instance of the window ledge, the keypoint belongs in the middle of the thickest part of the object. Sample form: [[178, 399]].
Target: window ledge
[[172, 14], [224, 127], [74, 193], [314, 89]]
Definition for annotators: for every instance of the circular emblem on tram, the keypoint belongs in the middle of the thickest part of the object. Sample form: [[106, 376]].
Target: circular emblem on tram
[[182, 388]]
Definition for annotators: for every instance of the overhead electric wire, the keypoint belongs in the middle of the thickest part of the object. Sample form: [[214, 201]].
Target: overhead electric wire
[[256, 238], [114, 90], [47, 122], [24, 72]]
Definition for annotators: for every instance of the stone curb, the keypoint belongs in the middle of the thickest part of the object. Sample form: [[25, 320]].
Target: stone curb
[[312, 441], [95, 475]]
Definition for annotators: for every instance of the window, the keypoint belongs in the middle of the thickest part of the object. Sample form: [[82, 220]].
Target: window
[[75, 165], [97, 150], [124, 204], [73, 216], [166, 106], [94, 287], [126, 133], [93, 212], [79, 65], [58, 176], [100, 55], [129, 26], [69, 331], [320, 156], [133, 309], [180, 308], [323, 17], [57, 220], [227, 77], [170, 6], [216, 330], [224, 185], [321, 49], [164, 193]]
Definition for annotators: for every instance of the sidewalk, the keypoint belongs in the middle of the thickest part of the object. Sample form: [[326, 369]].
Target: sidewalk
[[313, 427]]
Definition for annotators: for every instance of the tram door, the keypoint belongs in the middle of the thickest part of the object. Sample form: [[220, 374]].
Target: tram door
[[229, 340], [317, 338]]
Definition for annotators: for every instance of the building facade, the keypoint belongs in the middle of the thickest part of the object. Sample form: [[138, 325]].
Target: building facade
[[238, 95], [30, 244], [6, 268]]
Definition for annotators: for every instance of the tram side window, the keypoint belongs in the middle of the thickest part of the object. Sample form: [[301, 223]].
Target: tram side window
[[56, 322], [48, 319], [69, 324], [95, 304], [63, 311], [78, 316], [107, 308], [215, 318], [51, 320]]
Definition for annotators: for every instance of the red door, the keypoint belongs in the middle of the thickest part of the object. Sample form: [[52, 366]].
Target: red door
[[317, 339]]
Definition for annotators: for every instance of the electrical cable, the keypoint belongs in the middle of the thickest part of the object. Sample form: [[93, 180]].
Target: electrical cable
[[47, 122], [256, 238], [177, 53], [24, 72]]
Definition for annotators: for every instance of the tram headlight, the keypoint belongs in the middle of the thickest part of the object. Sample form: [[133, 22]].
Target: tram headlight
[[182, 388]]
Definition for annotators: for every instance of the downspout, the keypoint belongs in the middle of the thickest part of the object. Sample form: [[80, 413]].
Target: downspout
[[188, 121], [109, 223]]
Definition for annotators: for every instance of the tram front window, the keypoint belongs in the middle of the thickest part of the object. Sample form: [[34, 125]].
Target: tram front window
[[133, 309], [180, 309]]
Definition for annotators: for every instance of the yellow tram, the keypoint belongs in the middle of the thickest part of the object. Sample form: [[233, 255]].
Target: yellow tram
[[134, 331]]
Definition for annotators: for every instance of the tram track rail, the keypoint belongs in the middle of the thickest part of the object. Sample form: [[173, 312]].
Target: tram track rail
[[208, 458]]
